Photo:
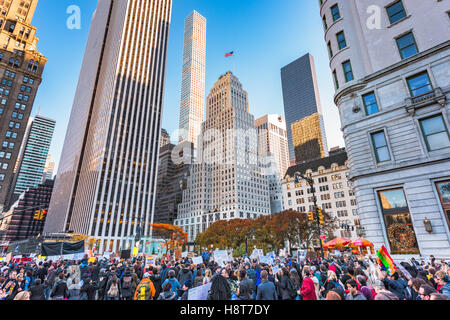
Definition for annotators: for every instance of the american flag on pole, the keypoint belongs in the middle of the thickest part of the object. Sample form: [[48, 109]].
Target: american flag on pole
[[229, 54]]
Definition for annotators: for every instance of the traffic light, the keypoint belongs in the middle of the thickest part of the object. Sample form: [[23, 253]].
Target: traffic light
[[320, 216], [311, 216], [40, 215], [37, 215]]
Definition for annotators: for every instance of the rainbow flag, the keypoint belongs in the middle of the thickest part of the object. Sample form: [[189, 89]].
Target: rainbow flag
[[385, 261]]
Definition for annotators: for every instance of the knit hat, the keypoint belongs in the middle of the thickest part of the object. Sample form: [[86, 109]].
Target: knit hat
[[188, 283]]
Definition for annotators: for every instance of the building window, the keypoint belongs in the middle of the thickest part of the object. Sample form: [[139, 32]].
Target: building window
[[348, 72], [341, 40], [330, 50], [380, 146], [407, 45], [325, 25], [435, 133], [335, 12], [336, 81], [444, 196], [370, 103], [398, 223], [396, 11], [419, 84]]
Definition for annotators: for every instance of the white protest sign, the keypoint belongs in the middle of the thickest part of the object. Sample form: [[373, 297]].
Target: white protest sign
[[275, 270], [184, 254], [199, 293], [221, 255], [197, 260]]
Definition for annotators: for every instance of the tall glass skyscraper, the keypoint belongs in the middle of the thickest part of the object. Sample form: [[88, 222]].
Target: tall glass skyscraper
[[192, 105], [302, 100], [106, 179], [34, 154]]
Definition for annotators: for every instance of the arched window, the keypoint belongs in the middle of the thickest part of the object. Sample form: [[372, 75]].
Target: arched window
[[30, 65]]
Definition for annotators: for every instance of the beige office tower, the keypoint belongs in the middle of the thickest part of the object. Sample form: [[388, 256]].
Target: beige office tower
[[192, 105], [228, 182], [106, 180], [21, 67], [272, 138]]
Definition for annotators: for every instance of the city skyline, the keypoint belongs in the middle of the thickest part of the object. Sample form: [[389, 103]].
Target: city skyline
[[255, 57]]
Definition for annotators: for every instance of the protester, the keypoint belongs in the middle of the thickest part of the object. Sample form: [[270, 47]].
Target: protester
[[266, 289]]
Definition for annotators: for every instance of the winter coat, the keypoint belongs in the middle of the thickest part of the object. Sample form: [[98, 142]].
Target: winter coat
[[283, 288], [266, 291], [308, 289], [198, 280], [127, 279], [446, 289], [249, 283], [156, 279], [357, 296], [60, 289], [167, 296], [395, 286], [37, 292], [184, 275], [51, 278], [175, 285], [89, 290]]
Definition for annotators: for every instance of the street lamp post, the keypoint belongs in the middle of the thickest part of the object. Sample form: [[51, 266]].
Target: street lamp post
[[316, 208]]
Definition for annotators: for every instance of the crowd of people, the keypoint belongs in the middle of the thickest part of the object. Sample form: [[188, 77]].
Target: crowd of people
[[338, 278]]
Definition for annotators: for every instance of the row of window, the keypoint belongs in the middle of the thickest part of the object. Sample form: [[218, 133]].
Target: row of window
[[418, 85], [434, 131], [395, 12]]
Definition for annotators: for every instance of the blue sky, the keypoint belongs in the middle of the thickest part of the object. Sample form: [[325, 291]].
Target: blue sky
[[265, 35]]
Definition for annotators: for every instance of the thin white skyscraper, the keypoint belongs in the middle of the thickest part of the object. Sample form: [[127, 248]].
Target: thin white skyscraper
[[192, 105]]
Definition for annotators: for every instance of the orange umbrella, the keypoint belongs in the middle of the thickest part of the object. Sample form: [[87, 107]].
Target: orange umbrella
[[361, 243], [336, 243]]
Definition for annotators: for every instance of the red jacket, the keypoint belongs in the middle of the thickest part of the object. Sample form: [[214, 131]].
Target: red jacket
[[308, 290]]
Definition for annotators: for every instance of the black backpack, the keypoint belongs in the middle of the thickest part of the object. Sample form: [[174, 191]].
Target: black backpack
[[291, 289]]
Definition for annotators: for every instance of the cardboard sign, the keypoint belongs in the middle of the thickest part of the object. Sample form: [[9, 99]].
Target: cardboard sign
[[199, 293], [149, 261], [197, 260]]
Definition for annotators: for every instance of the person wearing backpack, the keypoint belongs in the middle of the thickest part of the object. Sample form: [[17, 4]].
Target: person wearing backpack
[[145, 290], [127, 285], [286, 287], [331, 284], [308, 290], [113, 291]]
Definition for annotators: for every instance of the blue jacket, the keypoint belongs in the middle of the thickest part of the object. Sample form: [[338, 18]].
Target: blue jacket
[[446, 289], [395, 286], [175, 285]]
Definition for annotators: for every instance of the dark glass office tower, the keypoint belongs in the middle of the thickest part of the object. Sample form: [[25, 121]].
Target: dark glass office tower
[[302, 100]]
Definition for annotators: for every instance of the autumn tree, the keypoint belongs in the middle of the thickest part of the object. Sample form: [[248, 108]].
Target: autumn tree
[[267, 232]]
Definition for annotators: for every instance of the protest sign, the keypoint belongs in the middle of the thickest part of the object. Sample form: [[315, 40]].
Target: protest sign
[[184, 254], [275, 270], [149, 261], [197, 260], [199, 293]]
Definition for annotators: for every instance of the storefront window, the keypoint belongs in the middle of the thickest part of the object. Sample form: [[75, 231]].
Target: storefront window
[[443, 188], [398, 223]]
